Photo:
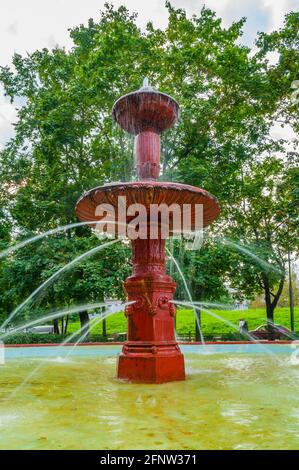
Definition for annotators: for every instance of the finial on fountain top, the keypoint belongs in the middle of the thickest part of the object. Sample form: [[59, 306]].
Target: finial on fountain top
[[146, 84]]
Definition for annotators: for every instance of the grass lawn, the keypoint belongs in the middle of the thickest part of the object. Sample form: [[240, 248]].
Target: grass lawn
[[210, 326]]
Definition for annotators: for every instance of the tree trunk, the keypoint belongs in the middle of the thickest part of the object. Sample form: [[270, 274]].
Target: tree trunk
[[64, 324], [197, 326], [56, 326], [104, 329], [269, 309], [271, 305], [84, 320]]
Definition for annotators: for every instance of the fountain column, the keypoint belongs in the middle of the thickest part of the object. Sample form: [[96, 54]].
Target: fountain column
[[151, 353]]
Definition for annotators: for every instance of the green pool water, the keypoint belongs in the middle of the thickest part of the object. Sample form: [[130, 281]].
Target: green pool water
[[232, 399]]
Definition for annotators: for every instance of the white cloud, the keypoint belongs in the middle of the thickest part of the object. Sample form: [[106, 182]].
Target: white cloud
[[13, 28], [282, 131], [286, 132], [277, 10], [8, 115]]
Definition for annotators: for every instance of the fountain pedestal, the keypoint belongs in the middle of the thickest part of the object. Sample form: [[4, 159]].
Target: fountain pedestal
[[151, 353]]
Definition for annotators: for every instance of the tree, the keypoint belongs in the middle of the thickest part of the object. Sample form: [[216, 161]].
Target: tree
[[204, 270], [89, 281], [265, 218]]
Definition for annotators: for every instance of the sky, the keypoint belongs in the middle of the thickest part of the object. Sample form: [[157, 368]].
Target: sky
[[27, 25]]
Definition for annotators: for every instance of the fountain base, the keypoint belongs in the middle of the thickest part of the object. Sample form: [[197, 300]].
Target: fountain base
[[151, 353], [151, 363]]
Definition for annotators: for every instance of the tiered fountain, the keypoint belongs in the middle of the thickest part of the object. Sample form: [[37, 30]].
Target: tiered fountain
[[151, 353]]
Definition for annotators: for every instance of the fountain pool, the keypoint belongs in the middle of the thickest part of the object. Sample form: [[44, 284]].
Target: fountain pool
[[235, 396]]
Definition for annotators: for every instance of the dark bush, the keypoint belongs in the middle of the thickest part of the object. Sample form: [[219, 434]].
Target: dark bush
[[33, 338]]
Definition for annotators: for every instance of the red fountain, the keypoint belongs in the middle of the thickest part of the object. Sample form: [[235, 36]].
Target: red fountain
[[151, 353]]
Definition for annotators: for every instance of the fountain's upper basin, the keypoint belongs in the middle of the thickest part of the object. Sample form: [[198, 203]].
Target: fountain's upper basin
[[145, 109], [148, 193]]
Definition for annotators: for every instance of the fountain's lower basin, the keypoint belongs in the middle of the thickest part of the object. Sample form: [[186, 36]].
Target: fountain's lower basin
[[148, 193], [235, 397]]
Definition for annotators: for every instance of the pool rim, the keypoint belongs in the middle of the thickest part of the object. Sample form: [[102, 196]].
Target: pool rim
[[118, 343]]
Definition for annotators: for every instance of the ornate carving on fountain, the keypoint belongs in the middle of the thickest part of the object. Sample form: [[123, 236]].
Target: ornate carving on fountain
[[148, 256], [139, 302], [148, 301], [165, 304]]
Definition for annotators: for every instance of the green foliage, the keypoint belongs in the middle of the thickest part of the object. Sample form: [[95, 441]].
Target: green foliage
[[204, 270], [89, 281], [31, 338]]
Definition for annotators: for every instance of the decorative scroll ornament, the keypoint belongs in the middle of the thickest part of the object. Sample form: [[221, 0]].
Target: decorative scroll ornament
[[163, 302], [172, 310], [138, 303]]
